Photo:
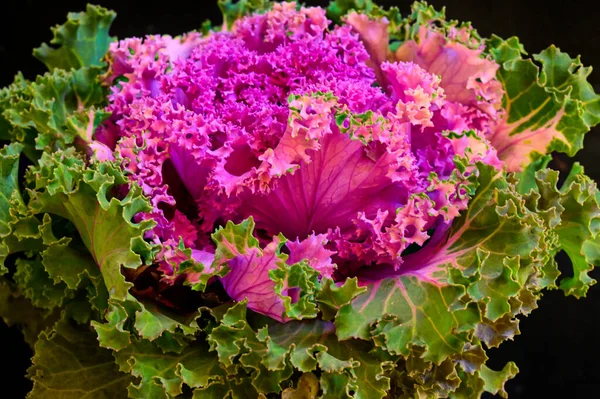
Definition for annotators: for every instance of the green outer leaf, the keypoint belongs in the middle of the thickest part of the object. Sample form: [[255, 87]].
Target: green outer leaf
[[79, 194], [162, 373], [419, 314], [579, 229], [526, 180], [10, 197], [573, 215], [331, 297], [112, 334], [494, 380], [68, 363], [151, 321], [237, 344], [268, 354], [59, 109], [37, 286], [9, 185], [83, 40], [60, 274], [313, 343], [547, 110], [476, 257]]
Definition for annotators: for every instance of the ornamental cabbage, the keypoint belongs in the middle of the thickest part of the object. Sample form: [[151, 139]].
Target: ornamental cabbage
[[303, 202]]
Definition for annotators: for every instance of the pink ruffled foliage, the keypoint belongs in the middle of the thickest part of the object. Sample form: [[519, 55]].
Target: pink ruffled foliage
[[473, 94], [297, 125]]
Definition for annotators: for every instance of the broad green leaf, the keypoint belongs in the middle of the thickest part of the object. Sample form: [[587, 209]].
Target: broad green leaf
[[80, 194], [68, 363], [548, 107], [82, 41], [487, 257], [83, 268], [417, 312]]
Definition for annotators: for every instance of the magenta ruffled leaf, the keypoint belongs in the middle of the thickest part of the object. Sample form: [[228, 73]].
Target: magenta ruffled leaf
[[271, 282]]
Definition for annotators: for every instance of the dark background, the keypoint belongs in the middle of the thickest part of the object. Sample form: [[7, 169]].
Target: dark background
[[558, 351]]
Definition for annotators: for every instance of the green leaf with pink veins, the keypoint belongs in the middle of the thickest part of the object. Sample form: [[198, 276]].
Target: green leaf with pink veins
[[548, 107], [434, 300]]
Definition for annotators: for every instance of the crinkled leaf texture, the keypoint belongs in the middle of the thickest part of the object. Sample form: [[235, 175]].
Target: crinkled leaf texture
[[58, 110], [65, 187], [467, 285], [64, 106], [73, 240], [547, 109], [70, 239], [83, 40]]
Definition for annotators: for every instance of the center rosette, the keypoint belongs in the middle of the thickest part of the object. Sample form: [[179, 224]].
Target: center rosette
[[310, 155]]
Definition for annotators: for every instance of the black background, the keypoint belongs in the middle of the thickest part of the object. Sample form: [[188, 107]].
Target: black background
[[558, 351]]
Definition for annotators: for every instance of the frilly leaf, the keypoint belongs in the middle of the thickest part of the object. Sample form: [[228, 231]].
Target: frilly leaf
[[472, 279], [332, 297], [161, 374], [57, 110], [494, 380], [64, 186], [546, 110], [577, 228], [307, 346], [83, 40]]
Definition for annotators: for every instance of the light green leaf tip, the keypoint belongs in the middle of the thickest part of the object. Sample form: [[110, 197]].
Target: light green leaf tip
[[83, 40]]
